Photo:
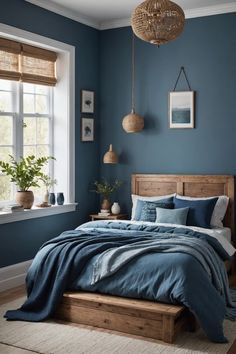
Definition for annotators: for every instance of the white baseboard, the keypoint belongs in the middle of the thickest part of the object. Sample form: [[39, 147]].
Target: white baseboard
[[13, 275]]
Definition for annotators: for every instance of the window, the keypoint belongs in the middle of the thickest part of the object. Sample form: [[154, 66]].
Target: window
[[6, 134], [26, 105], [26, 126], [57, 110], [38, 117]]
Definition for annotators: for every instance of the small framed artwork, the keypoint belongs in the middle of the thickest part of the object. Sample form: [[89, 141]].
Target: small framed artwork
[[87, 101], [181, 109], [87, 129]]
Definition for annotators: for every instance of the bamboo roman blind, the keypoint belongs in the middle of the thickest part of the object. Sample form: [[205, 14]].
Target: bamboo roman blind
[[23, 62]]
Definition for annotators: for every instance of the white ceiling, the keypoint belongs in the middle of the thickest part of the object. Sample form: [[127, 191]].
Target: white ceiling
[[103, 14]]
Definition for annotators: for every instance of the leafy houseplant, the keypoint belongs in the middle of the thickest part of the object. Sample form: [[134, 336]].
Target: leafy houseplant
[[105, 189], [25, 174]]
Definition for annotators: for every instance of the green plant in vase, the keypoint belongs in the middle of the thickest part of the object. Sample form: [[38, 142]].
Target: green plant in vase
[[105, 189], [25, 173], [48, 183]]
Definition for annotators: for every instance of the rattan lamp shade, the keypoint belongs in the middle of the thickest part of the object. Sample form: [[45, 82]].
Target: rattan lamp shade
[[110, 156], [157, 21], [133, 123]]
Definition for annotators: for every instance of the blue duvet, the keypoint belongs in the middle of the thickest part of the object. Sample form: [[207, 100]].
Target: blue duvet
[[168, 272]]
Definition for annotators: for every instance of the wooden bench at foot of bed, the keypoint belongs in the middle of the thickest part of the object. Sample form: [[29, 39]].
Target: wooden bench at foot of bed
[[139, 317]]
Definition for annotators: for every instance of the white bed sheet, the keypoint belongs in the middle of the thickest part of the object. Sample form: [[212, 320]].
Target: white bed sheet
[[223, 235]]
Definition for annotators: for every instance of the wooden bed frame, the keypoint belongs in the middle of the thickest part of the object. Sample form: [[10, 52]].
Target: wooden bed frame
[[189, 185], [140, 317]]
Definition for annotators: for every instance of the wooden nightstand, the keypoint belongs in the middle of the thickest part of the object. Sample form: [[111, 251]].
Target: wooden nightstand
[[110, 217]]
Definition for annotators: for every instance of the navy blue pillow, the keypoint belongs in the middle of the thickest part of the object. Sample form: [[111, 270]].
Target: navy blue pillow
[[200, 211], [140, 203]]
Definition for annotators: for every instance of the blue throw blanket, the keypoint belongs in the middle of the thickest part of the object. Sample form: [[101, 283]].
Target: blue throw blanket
[[172, 275]]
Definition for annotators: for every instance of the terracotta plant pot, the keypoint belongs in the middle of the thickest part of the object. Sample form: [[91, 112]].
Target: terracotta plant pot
[[106, 204], [25, 199]]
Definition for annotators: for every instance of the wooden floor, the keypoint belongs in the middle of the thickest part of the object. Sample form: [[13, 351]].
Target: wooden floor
[[7, 296], [13, 294]]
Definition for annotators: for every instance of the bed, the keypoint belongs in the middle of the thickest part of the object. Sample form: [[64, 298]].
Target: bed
[[145, 318], [137, 316]]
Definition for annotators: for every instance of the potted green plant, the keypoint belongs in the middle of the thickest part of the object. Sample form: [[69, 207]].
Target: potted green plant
[[48, 183], [25, 173], [105, 189]]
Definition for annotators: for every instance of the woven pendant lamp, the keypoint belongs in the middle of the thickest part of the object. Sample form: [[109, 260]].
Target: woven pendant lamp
[[110, 156], [157, 21], [133, 122]]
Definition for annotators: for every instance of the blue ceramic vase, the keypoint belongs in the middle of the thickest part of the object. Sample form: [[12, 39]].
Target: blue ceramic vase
[[52, 198], [60, 198]]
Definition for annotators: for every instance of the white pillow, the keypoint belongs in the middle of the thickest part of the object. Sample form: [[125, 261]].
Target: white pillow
[[135, 198], [219, 209]]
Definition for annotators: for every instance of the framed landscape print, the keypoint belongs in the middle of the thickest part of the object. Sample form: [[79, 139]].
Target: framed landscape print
[[87, 129], [181, 109], [87, 101]]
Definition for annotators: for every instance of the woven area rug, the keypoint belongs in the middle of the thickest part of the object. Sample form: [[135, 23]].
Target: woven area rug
[[59, 338]]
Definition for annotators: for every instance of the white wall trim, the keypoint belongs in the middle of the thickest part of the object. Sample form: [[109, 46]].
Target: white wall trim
[[13, 275], [71, 132], [32, 38], [211, 10], [35, 212], [124, 22], [61, 10], [193, 13]]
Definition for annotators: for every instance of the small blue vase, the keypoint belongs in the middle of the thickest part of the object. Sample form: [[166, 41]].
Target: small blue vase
[[60, 198], [52, 198]]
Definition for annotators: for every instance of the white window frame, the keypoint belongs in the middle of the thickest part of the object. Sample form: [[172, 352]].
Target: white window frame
[[64, 121], [17, 114], [15, 137], [36, 115]]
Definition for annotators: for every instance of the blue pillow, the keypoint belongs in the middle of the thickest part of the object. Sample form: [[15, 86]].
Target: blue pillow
[[172, 216], [148, 212], [200, 211], [140, 203]]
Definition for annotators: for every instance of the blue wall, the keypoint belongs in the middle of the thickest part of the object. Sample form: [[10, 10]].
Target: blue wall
[[207, 50], [20, 240]]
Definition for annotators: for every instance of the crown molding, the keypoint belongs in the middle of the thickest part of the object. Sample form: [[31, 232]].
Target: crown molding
[[211, 10], [192, 13], [63, 11], [115, 24]]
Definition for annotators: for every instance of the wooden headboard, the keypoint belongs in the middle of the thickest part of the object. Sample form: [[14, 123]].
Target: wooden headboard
[[188, 185]]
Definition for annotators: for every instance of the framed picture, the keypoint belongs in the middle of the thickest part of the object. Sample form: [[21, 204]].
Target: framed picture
[[181, 109], [87, 101], [87, 129]]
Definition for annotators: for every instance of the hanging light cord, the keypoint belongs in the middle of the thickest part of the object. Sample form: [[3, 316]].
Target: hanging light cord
[[133, 74]]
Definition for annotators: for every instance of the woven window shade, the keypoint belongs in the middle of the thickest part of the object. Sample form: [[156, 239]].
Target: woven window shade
[[26, 63], [38, 65], [9, 59]]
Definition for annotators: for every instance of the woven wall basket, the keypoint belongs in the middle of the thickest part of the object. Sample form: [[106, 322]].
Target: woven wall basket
[[157, 21]]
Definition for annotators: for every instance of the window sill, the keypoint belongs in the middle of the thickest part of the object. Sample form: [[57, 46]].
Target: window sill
[[36, 213]]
